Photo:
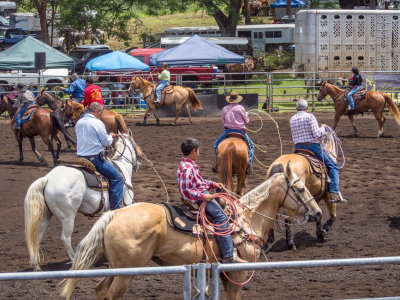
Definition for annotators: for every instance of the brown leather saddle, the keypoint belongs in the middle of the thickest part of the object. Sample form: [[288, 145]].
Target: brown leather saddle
[[93, 178], [29, 112], [236, 135], [318, 169], [359, 96]]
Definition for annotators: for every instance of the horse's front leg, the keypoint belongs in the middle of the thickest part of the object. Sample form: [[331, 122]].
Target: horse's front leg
[[338, 115], [332, 212], [232, 289], [19, 141], [59, 143], [289, 238], [154, 111], [33, 146], [351, 118]]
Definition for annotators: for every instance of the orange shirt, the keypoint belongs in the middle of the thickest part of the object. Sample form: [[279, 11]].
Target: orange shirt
[[92, 94]]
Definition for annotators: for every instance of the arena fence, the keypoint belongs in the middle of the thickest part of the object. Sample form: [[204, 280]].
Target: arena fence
[[276, 90], [198, 277]]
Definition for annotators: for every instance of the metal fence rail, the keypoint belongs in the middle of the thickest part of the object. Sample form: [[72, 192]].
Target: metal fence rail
[[199, 274]]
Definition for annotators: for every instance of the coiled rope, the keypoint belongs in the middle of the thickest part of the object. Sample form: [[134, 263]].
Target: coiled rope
[[337, 144]]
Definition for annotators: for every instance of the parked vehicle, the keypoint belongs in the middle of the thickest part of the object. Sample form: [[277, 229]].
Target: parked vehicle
[[11, 36], [51, 77], [192, 76], [82, 55]]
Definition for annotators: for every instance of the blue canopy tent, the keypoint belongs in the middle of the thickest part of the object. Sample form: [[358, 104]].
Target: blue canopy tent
[[196, 51], [116, 61], [294, 3]]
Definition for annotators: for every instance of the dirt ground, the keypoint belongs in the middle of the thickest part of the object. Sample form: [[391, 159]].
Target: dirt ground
[[369, 225]]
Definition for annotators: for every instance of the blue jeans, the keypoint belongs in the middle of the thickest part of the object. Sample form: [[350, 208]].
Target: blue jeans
[[350, 96], [333, 170], [18, 118], [163, 84], [107, 169], [225, 243], [246, 136]]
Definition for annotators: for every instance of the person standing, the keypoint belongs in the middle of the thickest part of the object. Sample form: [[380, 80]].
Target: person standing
[[92, 93], [92, 138], [24, 100], [165, 78], [355, 82], [76, 89], [306, 134]]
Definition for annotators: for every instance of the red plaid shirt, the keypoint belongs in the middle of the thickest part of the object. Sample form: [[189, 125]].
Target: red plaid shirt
[[305, 128], [191, 184]]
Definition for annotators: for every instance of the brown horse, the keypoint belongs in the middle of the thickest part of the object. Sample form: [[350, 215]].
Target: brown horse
[[375, 101], [132, 236], [181, 96], [316, 185], [113, 121], [233, 158], [44, 123]]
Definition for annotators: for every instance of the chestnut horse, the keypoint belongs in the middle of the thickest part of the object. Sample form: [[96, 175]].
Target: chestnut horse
[[44, 123], [181, 96], [113, 121], [132, 236], [316, 185], [233, 158], [374, 100]]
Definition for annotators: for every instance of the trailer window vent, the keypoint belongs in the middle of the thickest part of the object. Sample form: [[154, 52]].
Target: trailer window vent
[[349, 17], [361, 58], [337, 17], [348, 58], [361, 17]]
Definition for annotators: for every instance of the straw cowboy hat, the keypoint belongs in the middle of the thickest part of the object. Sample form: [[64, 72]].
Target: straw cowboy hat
[[234, 98]]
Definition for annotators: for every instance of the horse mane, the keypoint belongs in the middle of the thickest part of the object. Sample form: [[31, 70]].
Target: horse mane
[[253, 199]]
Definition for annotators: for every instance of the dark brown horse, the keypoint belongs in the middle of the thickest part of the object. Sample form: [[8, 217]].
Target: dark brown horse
[[375, 101], [113, 121], [233, 158], [44, 123]]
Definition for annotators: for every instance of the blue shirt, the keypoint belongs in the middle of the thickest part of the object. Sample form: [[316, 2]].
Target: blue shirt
[[91, 136], [76, 89]]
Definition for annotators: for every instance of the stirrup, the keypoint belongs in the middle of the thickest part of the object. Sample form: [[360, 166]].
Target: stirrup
[[215, 168]]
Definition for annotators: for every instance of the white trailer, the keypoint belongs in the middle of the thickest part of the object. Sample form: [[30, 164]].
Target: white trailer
[[337, 40]]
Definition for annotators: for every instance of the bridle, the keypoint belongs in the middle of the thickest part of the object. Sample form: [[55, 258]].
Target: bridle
[[138, 87]]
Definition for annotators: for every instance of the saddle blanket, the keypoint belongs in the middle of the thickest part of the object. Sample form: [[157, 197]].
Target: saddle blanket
[[359, 96], [317, 167], [28, 114]]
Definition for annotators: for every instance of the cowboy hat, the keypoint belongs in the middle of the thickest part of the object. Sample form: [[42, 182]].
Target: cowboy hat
[[234, 98]]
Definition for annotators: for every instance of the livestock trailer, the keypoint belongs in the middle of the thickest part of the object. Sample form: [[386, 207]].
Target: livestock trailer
[[337, 40]]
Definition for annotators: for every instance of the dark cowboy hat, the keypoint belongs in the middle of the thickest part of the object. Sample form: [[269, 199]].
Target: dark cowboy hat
[[234, 98], [20, 86]]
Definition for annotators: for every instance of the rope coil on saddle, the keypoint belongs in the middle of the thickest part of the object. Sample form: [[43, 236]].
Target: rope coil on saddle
[[337, 144]]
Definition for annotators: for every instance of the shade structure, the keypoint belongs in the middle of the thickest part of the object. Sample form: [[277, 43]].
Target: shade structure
[[21, 56], [196, 51], [294, 3], [116, 61]]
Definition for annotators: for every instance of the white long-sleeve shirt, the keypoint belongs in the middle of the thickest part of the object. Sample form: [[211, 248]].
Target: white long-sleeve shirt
[[91, 136]]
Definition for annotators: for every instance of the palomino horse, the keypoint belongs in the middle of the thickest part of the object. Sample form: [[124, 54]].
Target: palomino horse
[[63, 192], [113, 121], [375, 101], [44, 123], [233, 158], [132, 236], [181, 96], [316, 185], [55, 104]]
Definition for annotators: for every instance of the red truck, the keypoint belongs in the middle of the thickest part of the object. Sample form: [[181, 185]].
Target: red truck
[[193, 75]]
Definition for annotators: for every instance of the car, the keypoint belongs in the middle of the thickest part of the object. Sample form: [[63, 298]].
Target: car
[[11, 36], [4, 21], [83, 54]]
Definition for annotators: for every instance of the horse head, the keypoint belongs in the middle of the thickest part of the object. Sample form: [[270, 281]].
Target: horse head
[[125, 149], [135, 84], [323, 91], [300, 199], [42, 99], [3, 104]]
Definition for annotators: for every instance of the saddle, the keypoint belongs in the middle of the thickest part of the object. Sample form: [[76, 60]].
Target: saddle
[[93, 178], [359, 96], [318, 169], [236, 135], [27, 116]]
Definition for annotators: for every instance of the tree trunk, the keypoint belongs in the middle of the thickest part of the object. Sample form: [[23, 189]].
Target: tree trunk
[[246, 12], [41, 7], [289, 8], [373, 4]]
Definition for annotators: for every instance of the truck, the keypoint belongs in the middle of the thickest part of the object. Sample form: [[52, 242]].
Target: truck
[[192, 76], [50, 77], [337, 40]]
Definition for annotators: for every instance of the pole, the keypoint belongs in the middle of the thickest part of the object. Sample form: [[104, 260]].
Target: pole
[[215, 281]]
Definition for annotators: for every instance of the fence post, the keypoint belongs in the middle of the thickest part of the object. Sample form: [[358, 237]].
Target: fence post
[[215, 281], [270, 92], [313, 93], [187, 284], [201, 281]]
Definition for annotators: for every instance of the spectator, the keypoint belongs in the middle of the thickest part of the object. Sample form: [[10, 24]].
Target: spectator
[[106, 93]]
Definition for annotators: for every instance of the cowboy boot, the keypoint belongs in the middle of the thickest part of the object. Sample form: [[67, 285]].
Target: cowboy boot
[[336, 198]]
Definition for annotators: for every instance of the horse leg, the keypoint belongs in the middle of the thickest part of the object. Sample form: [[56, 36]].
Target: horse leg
[[21, 155], [381, 120], [51, 149], [337, 118], [241, 181], [59, 143], [233, 290], [332, 212], [33, 145], [154, 111], [118, 287], [178, 112], [67, 223], [351, 118], [146, 114], [289, 238], [189, 113], [103, 286]]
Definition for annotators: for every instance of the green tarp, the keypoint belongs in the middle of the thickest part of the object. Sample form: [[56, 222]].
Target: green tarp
[[21, 56]]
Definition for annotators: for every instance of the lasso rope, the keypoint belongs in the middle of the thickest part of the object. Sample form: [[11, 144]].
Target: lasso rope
[[337, 144]]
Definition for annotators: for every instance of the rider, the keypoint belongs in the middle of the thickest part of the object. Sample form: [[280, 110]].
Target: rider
[[92, 93], [234, 118], [195, 189], [355, 82], [164, 78], [76, 88], [306, 134], [92, 138], [24, 100]]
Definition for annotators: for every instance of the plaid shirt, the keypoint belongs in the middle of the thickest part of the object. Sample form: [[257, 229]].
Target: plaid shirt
[[305, 129], [191, 184]]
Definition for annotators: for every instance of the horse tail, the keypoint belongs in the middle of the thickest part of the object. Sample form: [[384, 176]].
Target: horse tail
[[35, 209], [394, 111], [87, 252], [57, 124], [194, 100], [121, 124], [226, 166]]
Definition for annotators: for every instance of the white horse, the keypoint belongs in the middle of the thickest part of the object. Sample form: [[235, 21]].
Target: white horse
[[63, 192]]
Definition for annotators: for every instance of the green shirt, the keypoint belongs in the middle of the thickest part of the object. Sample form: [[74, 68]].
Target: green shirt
[[164, 76]]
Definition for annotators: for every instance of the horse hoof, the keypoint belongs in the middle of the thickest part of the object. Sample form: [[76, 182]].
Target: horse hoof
[[290, 245], [172, 124], [356, 135], [321, 235], [37, 269]]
